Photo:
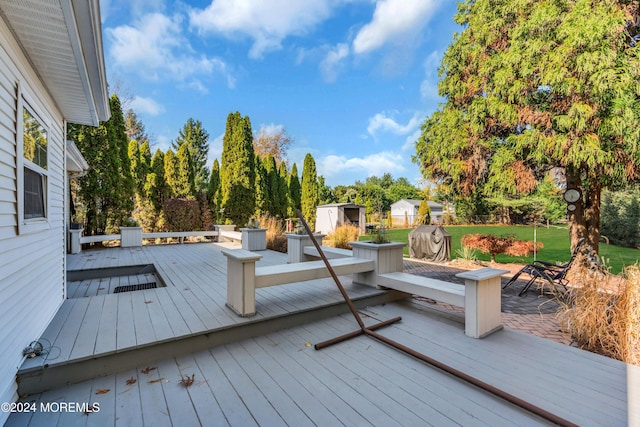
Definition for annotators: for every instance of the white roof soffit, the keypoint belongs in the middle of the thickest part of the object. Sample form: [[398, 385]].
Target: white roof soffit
[[63, 41], [77, 166]]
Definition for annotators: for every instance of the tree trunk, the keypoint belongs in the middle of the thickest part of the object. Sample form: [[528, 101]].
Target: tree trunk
[[584, 221]]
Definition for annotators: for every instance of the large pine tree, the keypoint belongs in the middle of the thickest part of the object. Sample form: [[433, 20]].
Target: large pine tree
[[237, 172], [196, 138], [309, 201], [295, 192]]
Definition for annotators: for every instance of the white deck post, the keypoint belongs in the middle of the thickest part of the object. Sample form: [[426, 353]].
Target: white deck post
[[387, 258], [296, 244], [241, 281], [74, 240], [482, 301]]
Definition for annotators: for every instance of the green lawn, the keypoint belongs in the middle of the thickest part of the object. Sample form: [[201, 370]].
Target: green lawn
[[555, 240]]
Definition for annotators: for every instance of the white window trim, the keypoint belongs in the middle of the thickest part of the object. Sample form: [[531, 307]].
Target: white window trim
[[30, 225]]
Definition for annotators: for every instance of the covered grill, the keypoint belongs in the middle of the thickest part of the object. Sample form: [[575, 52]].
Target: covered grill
[[431, 243]]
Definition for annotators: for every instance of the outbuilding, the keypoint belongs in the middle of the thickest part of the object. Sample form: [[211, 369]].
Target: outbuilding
[[407, 210], [331, 216]]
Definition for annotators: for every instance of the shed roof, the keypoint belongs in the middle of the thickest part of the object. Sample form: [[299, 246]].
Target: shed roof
[[341, 205]]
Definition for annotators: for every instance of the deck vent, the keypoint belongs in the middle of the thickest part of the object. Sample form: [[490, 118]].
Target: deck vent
[[133, 288]]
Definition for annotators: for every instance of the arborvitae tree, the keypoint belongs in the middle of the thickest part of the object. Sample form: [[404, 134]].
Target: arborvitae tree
[[196, 139], [295, 192], [237, 173], [283, 190], [424, 213], [145, 158], [213, 190], [262, 188], [309, 199], [170, 172], [273, 187], [185, 184], [107, 190], [136, 170], [156, 189]]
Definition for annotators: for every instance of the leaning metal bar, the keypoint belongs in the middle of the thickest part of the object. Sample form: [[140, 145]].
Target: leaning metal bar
[[352, 308], [446, 368]]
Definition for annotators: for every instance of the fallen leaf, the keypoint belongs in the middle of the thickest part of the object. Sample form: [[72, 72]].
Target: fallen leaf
[[187, 381], [308, 344], [148, 302], [155, 381], [147, 370], [103, 391], [131, 380]]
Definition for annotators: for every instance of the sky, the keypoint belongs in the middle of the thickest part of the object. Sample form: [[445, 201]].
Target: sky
[[351, 81]]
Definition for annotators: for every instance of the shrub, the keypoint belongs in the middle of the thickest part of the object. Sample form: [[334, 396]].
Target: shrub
[[276, 240], [341, 237], [182, 215], [494, 245], [602, 313]]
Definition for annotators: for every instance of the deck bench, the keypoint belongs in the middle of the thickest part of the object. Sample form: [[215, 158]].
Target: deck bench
[[228, 236], [480, 296], [243, 277], [330, 253]]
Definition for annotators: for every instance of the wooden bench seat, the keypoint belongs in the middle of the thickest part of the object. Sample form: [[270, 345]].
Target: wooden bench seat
[[226, 236], [330, 253], [289, 273], [439, 290]]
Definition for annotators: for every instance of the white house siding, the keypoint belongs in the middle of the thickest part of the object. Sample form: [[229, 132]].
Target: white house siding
[[32, 272]]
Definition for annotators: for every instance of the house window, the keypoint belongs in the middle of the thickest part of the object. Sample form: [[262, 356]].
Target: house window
[[35, 171]]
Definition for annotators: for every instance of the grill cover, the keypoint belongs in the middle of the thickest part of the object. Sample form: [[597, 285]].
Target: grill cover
[[430, 242]]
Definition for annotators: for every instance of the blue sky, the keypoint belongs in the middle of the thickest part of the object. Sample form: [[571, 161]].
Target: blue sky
[[350, 80]]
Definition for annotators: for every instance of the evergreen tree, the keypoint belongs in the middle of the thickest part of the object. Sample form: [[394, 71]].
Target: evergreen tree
[[134, 127], [273, 190], [534, 86], [185, 183], [213, 191], [295, 192], [196, 139], [424, 213], [325, 194], [283, 190], [107, 190], [170, 173], [136, 170], [262, 188], [237, 173], [309, 201], [145, 158], [155, 189]]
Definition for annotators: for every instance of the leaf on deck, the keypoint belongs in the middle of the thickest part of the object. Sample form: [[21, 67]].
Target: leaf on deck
[[148, 369], [187, 381], [103, 391], [131, 380]]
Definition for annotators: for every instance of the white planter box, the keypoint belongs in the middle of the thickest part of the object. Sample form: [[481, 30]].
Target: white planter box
[[254, 239], [75, 247], [296, 244], [387, 258], [130, 237]]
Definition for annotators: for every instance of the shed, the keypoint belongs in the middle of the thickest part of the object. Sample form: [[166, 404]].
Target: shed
[[333, 215], [430, 242], [408, 209]]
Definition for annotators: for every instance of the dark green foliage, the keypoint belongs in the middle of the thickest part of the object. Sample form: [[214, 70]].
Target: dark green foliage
[[533, 86], [402, 189], [237, 172], [283, 191], [295, 192], [309, 200], [213, 191], [184, 185], [621, 217], [170, 172], [155, 188], [182, 215], [325, 194], [196, 138], [106, 192], [263, 203]]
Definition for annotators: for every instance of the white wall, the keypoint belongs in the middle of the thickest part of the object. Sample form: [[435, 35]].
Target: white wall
[[32, 272], [326, 219]]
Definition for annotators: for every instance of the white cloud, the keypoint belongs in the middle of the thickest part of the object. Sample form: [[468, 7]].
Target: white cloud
[[146, 106], [268, 23], [331, 62], [375, 164], [429, 86], [410, 142], [271, 129], [394, 21], [381, 122], [155, 48]]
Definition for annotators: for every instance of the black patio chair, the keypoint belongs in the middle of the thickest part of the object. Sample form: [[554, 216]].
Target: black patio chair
[[554, 274]]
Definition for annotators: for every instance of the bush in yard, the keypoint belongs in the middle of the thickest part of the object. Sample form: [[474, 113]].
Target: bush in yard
[[276, 240], [602, 313], [494, 245], [182, 215], [341, 237]]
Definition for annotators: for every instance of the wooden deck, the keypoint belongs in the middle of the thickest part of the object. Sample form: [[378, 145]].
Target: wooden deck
[[109, 332], [128, 352]]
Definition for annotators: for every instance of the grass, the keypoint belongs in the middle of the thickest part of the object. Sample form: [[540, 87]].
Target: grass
[[555, 240]]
